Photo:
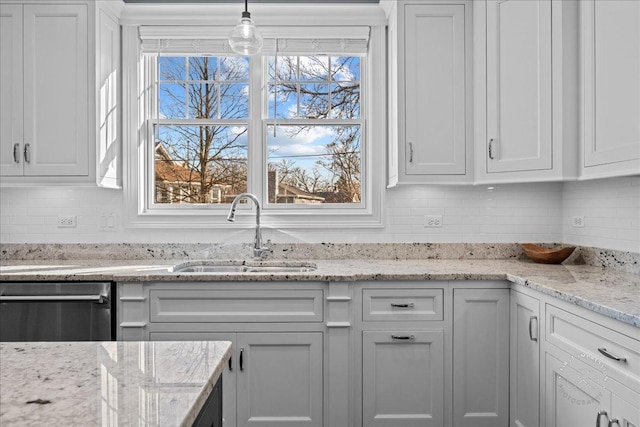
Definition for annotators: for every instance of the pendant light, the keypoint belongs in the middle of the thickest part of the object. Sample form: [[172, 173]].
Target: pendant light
[[245, 38]]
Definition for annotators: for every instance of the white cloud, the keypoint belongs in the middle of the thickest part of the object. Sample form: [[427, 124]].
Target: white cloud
[[296, 150]]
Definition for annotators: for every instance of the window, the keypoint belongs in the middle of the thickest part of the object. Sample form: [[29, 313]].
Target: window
[[200, 132], [290, 126], [314, 129]]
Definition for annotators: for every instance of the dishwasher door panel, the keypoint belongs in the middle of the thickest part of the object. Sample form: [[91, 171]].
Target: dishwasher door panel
[[55, 312]]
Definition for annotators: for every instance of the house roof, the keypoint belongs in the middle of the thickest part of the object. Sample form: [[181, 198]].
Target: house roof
[[289, 189], [171, 172]]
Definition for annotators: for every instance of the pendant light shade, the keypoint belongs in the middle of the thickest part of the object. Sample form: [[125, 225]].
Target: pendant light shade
[[245, 38]]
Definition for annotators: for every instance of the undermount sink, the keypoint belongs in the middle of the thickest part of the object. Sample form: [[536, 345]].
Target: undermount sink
[[241, 267]]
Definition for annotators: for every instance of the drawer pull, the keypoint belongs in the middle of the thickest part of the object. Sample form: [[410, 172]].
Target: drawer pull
[[612, 422], [600, 414], [230, 366], [531, 337], [397, 305], [403, 337], [604, 351], [241, 351]]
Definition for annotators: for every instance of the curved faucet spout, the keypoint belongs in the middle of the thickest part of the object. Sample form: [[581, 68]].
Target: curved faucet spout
[[258, 250]]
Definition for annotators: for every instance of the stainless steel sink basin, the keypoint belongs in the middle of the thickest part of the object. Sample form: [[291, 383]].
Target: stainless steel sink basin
[[242, 267]]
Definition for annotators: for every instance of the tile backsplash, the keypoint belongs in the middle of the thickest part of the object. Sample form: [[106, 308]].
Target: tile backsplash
[[470, 214], [610, 209], [507, 213]]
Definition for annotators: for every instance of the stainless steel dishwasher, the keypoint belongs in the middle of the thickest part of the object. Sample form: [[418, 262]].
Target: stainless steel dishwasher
[[61, 311]]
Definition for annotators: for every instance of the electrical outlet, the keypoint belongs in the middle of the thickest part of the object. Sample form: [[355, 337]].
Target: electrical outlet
[[433, 220], [577, 221], [67, 221]]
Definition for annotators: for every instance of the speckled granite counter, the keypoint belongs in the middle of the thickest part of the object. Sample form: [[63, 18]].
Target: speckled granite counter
[[611, 293], [109, 383]]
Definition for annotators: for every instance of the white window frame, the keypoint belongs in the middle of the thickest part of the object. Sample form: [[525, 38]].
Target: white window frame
[[137, 105]]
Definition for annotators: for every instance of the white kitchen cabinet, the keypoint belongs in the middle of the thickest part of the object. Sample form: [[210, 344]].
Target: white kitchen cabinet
[[273, 379], [480, 357], [399, 353], [11, 111], [45, 91], [626, 413], [277, 373], [572, 398], [280, 379], [593, 365], [430, 102], [526, 91], [519, 113], [610, 87], [60, 93], [402, 356], [524, 361], [403, 378]]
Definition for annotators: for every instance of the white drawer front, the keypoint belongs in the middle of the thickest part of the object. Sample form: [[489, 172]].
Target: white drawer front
[[402, 304], [236, 306], [589, 342]]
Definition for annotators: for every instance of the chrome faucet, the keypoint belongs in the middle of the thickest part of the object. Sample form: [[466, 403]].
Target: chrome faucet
[[258, 249]]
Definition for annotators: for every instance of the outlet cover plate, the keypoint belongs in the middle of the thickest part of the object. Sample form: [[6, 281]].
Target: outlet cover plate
[[433, 221], [67, 221]]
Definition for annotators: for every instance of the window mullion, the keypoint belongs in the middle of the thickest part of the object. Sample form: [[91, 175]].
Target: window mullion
[[256, 161]]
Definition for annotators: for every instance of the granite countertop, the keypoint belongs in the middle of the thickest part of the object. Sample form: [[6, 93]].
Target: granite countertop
[[108, 383], [606, 291]]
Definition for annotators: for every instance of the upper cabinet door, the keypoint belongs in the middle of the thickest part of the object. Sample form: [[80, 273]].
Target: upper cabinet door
[[56, 98], [435, 113], [11, 159], [519, 83], [611, 82]]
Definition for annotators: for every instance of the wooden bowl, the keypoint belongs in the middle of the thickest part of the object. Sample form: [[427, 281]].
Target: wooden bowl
[[546, 256]]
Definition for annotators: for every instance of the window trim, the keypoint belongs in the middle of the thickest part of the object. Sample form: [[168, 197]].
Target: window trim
[[137, 101]]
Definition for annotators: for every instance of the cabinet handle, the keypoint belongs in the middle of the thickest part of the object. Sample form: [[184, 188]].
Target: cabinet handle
[[411, 152], [396, 305], [403, 337], [16, 149], [230, 364], [531, 337], [241, 351], [491, 148], [27, 153], [613, 421], [604, 351], [600, 414]]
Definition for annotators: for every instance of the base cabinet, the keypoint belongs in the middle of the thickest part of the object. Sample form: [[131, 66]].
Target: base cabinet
[[480, 357], [403, 378], [279, 379], [626, 414], [572, 398], [273, 379], [399, 353], [524, 384]]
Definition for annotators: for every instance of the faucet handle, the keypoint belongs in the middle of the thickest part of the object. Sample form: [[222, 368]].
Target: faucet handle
[[259, 253]]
